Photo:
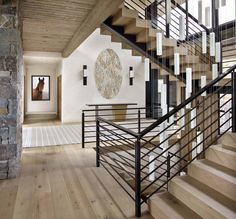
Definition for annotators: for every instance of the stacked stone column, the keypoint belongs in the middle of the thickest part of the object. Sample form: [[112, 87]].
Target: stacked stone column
[[11, 78]]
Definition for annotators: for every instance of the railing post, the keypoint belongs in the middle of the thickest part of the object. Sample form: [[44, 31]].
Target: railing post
[[139, 121], [137, 179], [83, 130], [168, 165], [187, 28], [233, 101], [167, 12], [97, 143]]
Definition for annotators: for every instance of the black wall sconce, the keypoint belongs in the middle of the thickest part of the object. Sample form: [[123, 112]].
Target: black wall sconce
[[85, 74], [131, 76]]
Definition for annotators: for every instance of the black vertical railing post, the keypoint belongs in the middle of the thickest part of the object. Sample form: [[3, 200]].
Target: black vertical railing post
[[233, 101], [97, 143], [83, 130], [137, 179], [167, 22], [168, 93], [139, 121], [168, 165], [187, 28]]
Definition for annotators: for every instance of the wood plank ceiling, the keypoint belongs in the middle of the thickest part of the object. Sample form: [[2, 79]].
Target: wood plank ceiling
[[50, 25]]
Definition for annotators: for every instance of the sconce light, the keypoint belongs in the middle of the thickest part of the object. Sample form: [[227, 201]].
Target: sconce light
[[85, 74], [131, 76]]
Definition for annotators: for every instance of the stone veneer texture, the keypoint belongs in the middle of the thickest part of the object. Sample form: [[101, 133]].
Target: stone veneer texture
[[11, 65]]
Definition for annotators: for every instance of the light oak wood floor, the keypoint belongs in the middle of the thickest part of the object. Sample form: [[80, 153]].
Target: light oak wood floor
[[62, 182]]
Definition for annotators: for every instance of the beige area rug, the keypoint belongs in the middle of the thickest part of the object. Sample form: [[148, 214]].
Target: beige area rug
[[51, 135]]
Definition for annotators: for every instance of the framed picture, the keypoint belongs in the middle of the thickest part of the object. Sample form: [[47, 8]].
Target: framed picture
[[40, 86]]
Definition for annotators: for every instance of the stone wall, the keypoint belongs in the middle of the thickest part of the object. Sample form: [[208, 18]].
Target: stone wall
[[11, 77]]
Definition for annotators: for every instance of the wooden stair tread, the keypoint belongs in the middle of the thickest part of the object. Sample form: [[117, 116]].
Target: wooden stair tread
[[136, 26], [222, 156], [216, 169], [203, 200], [166, 206], [124, 16], [215, 176]]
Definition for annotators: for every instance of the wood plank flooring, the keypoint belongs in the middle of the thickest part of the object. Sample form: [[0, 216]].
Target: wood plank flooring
[[62, 182]]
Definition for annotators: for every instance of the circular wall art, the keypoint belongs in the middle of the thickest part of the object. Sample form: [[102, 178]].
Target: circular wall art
[[108, 73]]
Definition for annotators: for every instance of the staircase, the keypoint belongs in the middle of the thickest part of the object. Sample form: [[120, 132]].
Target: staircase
[[187, 169], [207, 191], [128, 27]]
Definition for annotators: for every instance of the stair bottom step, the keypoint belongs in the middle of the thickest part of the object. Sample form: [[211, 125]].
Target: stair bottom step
[[166, 206]]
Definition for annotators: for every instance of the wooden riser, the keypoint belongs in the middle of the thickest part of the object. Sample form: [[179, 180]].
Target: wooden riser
[[222, 156], [215, 176], [166, 206], [203, 200]]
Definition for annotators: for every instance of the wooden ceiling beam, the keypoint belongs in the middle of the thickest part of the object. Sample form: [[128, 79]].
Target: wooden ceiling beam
[[102, 10]]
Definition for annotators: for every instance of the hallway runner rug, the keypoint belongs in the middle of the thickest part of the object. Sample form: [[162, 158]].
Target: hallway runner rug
[[51, 135]]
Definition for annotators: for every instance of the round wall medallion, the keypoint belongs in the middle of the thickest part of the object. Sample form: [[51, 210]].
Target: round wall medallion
[[108, 73]]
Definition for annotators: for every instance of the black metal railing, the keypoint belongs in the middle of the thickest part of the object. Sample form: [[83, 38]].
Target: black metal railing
[[144, 164], [132, 118]]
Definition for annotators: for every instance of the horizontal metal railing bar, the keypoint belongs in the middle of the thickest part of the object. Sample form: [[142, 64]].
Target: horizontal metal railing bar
[[121, 156], [132, 148], [184, 135], [111, 109], [136, 135], [118, 167], [121, 114], [126, 163], [134, 123], [121, 165], [117, 140], [166, 129], [114, 133], [118, 129], [130, 142], [118, 182], [186, 102]]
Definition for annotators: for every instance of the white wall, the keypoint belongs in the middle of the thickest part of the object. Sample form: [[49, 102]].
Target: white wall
[[42, 107], [75, 96]]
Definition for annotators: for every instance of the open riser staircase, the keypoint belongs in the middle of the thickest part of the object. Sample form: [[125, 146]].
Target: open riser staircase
[[186, 169], [129, 24]]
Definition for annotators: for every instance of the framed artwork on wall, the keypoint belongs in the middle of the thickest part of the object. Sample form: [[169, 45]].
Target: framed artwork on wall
[[40, 87]]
